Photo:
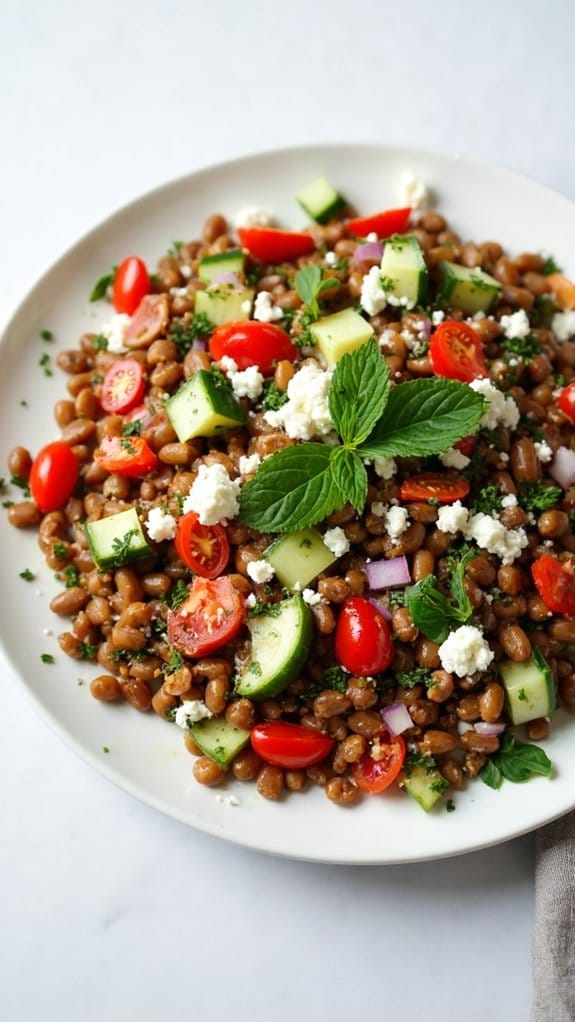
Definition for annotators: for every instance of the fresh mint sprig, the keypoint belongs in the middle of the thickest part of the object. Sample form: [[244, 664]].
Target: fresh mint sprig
[[515, 761], [301, 485], [431, 611], [309, 284]]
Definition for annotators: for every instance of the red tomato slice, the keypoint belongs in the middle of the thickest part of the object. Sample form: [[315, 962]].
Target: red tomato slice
[[141, 414], [125, 456], [252, 344], [466, 446], [274, 246], [428, 485], [203, 548], [131, 283], [374, 775], [555, 583], [456, 352], [53, 476], [363, 643], [150, 319], [123, 386], [390, 221], [290, 745], [212, 615], [566, 401]]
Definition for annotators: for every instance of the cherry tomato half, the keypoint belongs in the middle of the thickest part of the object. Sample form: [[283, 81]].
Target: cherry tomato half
[[555, 583], [131, 283], [363, 643], [390, 221], [125, 456], [212, 615], [456, 352], [466, 446], [374, 775], [123, 386], [566, 400], [274, 246], [203, 548], [53, 476], [142, 414], [429, 485], [290, 745], [252, 344]]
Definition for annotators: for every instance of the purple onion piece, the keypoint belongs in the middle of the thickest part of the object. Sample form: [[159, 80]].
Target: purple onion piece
[[199, 344], [383, 574], [226, 277], [483, 728], [397, 718], [369, 252], [380, 606]]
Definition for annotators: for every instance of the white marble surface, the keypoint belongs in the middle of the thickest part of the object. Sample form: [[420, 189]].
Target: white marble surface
[[110, 911]]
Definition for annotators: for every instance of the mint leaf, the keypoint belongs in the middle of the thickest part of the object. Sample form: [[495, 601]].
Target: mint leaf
[[291, 490], [424, 417], [463, 605], [518, 761], [309, 285], [429, 609], [491, 775], [102, 284], [358, 393], [349, 475]]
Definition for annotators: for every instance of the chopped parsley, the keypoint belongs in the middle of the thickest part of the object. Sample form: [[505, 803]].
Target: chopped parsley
[[174, 249], [87, 651], [121, 655], [46, 335], [549, 267], [121, 547], [132, 428], [522, 695], [396, 599], [59, 550], [44, 363], [450, 806], [47, 658], [105, 749], [70, 576], [487, 500], [22, 484], [27, 575], [335, 677], [178, 595], [24, 403], [126, 445], [183, 332], [255, 669], [100, 343], [174, 663], [539, 497], [273, 398], [418, 676], [523, 348]]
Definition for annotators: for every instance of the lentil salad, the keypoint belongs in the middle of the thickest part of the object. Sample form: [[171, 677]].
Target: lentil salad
[[365, 694]]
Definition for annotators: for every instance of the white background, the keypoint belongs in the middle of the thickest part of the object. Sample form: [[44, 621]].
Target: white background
[[108, 910]]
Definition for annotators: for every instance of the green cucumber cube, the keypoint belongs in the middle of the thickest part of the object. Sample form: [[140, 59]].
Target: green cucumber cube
[[298, 558], [219, 740], [320, 200], [425, 785], [117, 539], [204, 406], [231, 261], [403, 270], [529, 688], [340, 334], [225, 304], [467, 288]]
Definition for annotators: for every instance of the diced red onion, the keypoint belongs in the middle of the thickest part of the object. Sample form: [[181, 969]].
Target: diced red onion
[[380, 606], [397, 718], [383, 574], [562, 468], [425, 328], [369, 252], [226, 277], [199, 344], [483, 728]]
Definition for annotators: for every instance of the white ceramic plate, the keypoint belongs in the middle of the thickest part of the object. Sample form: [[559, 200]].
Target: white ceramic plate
[[146, 755]]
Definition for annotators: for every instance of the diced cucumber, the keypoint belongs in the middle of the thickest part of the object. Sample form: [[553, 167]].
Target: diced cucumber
[[529, 687], [231, 261], [340, 334], [219, 740], [403, 270], [467, 288], [224, 304], [320, 200], [117, 539], [425, 785], [204, 406], [280, 644], [298, 558]]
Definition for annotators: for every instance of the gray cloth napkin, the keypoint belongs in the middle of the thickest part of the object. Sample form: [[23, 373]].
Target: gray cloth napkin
[[554, 937]]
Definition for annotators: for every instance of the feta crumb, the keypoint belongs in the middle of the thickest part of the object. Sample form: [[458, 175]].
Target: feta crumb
[[190, 712], [509, 501], [378, 508], [412, 191], [228, 365], [543, 450], [265, 310], [331, 259], [490, 534], [452, 458], [465, 651], [372, 237], [114, 331], [47, 631], [563, 325], [336, 541], [251, 600], [213, 495], [503, 456], [452, 518], [248, 464], [260, 571], [437, 317], [254, 216], [373, 298], [312, 598], [233, 801], [501, 410], [247, 383], [396, 519], [516, 325], [160, 525], [306, 412], [385, 468]]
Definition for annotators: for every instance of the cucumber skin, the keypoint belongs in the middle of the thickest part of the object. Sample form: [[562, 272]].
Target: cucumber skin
[[222, 757], [103, 562], [284, 677]]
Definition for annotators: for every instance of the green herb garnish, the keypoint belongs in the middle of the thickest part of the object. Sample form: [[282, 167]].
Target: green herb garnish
[[27, 575], [539, 497], [47, 658], [310, 284], [523, 348], [46, 335], [178, 595], [273, 398], [44, 363], [487, 501], [515, 761], [121, 547], [549, 267], [418, 676], [174, 663], [102, 284], [87, 651], [335, 677], [183, 332], [432, 612], [100, 343], [133, 428]]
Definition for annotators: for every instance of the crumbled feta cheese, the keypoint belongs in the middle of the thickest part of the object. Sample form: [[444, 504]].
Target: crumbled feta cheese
[[452, 518], [503, 456], [228, 365], [179, 292], [563, 325], [396, 519], [247, 383], [47, 631], [452, 458], [490, 534], [251, 600], [331, 259], [509, 501], [378, 508], [233, 801], [373, 298], [516, 325], [114, 331], [254, 216], [260, 571], [247, 306], [543, 450], [306, 412], [385, 468], [160, 525], [372, 237], [412, 191], [465, 651], [190, 712], [265, 310], [437, 317], [501, 410], [248, 464], [213, 495], [312, 598], [336, 541]]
